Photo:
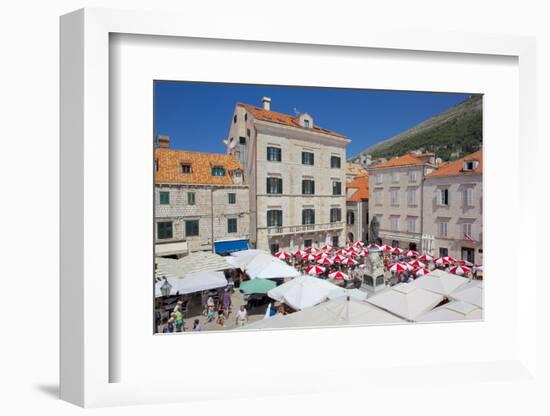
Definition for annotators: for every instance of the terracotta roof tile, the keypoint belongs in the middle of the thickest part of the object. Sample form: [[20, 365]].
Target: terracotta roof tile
[[456, 167], [169, 167], [284, 119], [405, 160], [361, 183]]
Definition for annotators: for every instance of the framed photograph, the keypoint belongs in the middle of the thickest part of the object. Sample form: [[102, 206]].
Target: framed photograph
[[291, 208]]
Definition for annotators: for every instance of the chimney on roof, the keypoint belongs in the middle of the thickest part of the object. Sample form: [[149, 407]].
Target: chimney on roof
[[163, 142], [267, 103]]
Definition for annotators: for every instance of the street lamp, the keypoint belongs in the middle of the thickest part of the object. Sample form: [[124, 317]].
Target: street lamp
[[166, 287]]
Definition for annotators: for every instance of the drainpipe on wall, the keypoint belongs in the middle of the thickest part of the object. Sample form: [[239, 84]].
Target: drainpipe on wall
[[212, 215], [422, 249]]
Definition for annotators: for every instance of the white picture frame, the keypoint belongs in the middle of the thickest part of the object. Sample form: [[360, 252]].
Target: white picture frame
[[86, 292]]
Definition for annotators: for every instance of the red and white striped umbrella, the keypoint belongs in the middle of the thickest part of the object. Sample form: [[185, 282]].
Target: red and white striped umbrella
[[310, 257], [300, 253], [460, 270], [421, 272], [358, 244], [283, 255], [327, 247], [442, 261], [386, 247], [349, 262], [338, 258], [325, 261], [465, 263], [315, 270], [396, 250], [417, 263], [451, 259], [338, 276], [363, 253], [324, 255], [398, 267], [374, 246], [342, 252], [426, 257], [352, 253], [411, 253]]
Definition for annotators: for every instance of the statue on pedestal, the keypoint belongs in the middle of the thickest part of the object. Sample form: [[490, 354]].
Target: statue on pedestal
[[373, 278]]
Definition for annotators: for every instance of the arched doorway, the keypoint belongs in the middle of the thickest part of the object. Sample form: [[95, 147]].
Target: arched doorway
[[350, 237]]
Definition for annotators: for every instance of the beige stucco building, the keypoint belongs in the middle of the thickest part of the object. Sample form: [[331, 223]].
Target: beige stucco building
[[296, 176], [453, 209], [395, 198], [201, 202]]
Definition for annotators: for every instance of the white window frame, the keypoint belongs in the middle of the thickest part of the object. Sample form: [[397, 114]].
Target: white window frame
[[413, 222], [394, 223], [394, 202], [443, 229], [469, 197], [395, 177], [411, 197]]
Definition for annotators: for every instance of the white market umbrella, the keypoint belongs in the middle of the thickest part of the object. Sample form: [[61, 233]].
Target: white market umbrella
[[406, 300], [337, 312], [440, 282], [194, 282], [471, 292], [273, 268], [302, 292], [453, 311]]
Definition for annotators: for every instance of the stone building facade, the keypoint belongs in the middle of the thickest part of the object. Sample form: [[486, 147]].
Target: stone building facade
[[395, 198], [453, 208], [296, 176], [200, 199]]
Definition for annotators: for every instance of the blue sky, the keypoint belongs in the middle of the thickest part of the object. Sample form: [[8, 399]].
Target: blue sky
[[197, 116]]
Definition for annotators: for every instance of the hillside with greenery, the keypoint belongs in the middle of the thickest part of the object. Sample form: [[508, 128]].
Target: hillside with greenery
[[450, 135]]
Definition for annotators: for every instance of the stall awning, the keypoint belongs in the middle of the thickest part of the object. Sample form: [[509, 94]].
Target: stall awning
[[230, 246]]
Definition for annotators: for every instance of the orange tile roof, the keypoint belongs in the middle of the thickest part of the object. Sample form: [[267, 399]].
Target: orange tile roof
[[361, 183], [170, 161], [405, 160], [456, 167], [284, 119]]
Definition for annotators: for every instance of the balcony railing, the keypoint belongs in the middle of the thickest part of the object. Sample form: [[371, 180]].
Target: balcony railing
[[305, 228]]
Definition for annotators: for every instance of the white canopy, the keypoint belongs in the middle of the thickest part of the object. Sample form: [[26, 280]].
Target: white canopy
[[339, 292], [440, 282], [260, 264], [194, 282], [302, 292], [406, 300], [270, 269], [253, 258], [201, 261], [453, 311], [249, 252], [336, 312], [471, 292]]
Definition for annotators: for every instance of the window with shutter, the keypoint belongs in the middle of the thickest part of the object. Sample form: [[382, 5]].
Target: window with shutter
[[164, 230], [192, 228], [232, 225], [164, 198]]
